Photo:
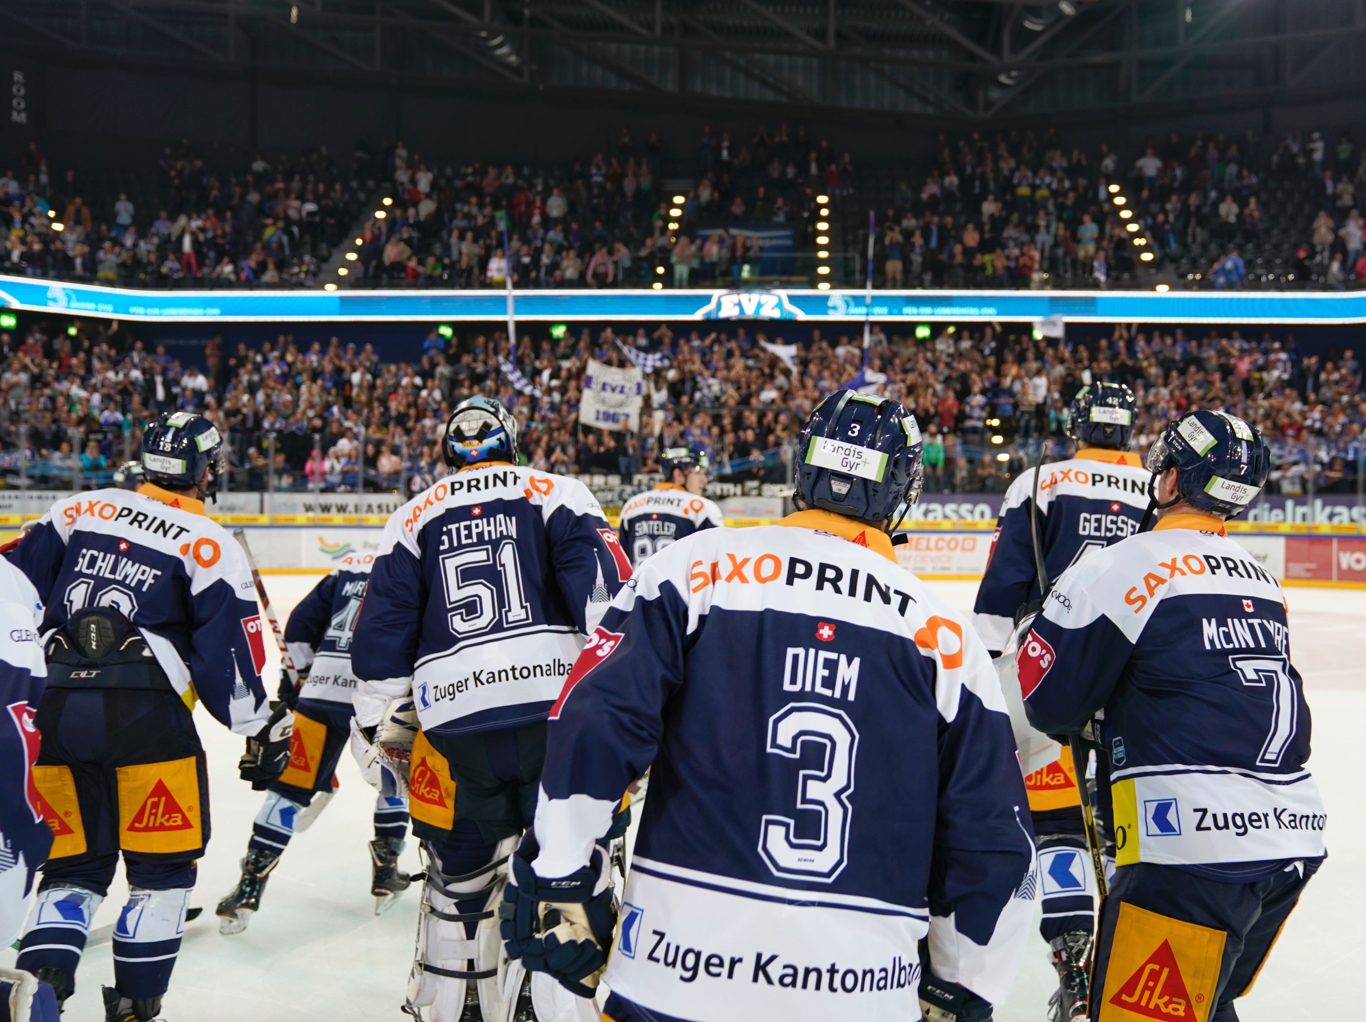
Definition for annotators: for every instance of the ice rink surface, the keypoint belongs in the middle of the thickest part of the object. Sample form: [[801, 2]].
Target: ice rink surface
[[317, 953]]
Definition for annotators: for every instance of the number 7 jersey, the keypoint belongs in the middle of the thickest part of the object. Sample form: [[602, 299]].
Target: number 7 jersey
[[1181, 638], [482, 592]]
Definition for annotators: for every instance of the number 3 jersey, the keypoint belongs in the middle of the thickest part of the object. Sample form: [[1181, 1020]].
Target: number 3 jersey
[[483, 589], [652, 520], [1085, 503], [833, 775], [159, 560], [1180, 637], [320, 630]]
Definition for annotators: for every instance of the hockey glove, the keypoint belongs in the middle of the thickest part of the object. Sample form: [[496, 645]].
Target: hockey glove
[[384, 750], [949, 1002], [288, 693], [560, 927], [267, 752]]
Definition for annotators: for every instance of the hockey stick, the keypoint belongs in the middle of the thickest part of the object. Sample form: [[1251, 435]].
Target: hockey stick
[[285, 659], [1080, 753]]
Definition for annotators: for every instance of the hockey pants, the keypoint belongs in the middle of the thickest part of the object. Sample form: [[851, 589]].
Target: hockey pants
[[1172, 942], [121, 772]]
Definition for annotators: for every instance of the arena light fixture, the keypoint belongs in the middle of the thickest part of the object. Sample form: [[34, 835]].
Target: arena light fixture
[[998, 439], [823, 240], [558, 331], [823, 254], [445, 330], [1003, 456], [1119, 200], [59, 227], [1140, 241], [659, 284], [1147, 257], [351, 257], [823, 285], [825, 212], [52, 213], [329, 287], [659, 269], [8, 320], [822, 199], [1131, 228], [822, 269], [1113, 189], [387, 201], [822, 226], [380, 214], [342, 271], [678, 200], [676, 211], [360, 241], [71, 330], [922, 331], [1162, 287], [993, 422], [1125, 214], [673, 225]]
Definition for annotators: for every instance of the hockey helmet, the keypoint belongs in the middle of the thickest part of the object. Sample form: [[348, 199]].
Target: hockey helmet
[[685, 459], [479, 430], [178, 447], [128, 476], [1221, 461], [860, 456], [1102, 415]]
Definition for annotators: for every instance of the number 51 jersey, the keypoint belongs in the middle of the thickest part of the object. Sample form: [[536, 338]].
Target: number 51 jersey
[[833, 776], [483, 589]]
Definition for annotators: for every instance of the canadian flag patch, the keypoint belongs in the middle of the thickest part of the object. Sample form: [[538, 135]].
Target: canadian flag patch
[[1247, 606], [256, 640]]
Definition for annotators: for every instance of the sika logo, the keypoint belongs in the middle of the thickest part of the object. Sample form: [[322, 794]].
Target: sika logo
[[160, 812], [298, 754], [60, 828], [425, 786], [1157, 990], [825, 632]]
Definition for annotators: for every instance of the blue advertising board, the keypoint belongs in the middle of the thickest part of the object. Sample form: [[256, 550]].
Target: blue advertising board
[[264, 306]]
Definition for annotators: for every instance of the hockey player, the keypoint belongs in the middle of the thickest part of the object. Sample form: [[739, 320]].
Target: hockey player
[[674, 509], [482, 594], [318, 637], [1084, 504], [150, 607], [24, 835], [833, 772], [1180, 638]]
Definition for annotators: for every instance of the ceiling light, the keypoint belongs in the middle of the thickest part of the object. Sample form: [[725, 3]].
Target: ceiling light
[[822, 240], [825, 212], [380, 214], [822, 199], [822, 269], [387, 201], [351, 257], [360, 241], [1131, 227], [1124, 214], [678, 200], [823, 254], [342, 271], [658, 285], [1119, 200], [329, 287], [675, 212], [1113, 189], [1147, 257], [59, 227], [673, 225], [52, 212], [998, 439], [659, 269], [822, 226], [823, 285], [1162, 287]]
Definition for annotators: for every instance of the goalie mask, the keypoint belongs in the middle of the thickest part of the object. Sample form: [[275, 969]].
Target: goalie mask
[[479, 430]]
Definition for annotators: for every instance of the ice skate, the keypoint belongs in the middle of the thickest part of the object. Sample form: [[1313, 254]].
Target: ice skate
[[1068, 953], [388, 881], [118, 1008], [235, 911]]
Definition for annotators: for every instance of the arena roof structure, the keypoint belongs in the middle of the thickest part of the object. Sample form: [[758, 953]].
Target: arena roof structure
[[946, 61]]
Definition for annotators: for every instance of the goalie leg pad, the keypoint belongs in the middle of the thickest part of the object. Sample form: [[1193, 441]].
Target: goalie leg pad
[[458, 939]]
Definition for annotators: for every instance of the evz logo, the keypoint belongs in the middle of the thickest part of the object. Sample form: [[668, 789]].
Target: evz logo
[[630, 929]]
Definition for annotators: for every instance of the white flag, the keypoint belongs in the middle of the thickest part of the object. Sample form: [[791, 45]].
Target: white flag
[[611, 397], [1050, 326]]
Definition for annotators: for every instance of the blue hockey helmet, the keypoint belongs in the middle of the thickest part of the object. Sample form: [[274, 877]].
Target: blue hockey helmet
[[1102, 415], [479, 430], [860, 456], [1221, 461], [178, 447], [128, 476], [685, 459]]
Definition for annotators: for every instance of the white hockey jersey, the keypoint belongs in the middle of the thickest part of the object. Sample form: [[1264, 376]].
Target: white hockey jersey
[[833, 777]]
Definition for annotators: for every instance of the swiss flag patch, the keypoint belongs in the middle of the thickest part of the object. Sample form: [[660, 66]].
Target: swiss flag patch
[[618, 554], [601, 644], [256, 640], [1033, 661], [825, 631], [1114, 505]]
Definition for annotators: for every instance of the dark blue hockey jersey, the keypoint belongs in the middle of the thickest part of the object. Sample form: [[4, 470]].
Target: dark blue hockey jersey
[[25, 837], [175, 573], [652, 520], [1085, 503], [833, 776], [1180, 637], [481, 595], [321, 627]]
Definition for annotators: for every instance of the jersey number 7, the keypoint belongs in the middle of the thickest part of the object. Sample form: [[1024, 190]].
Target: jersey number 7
[[1272, 672]]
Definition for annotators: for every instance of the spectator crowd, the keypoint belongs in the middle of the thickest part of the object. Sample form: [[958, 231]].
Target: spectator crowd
[[1019, 209], [335, 416]]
